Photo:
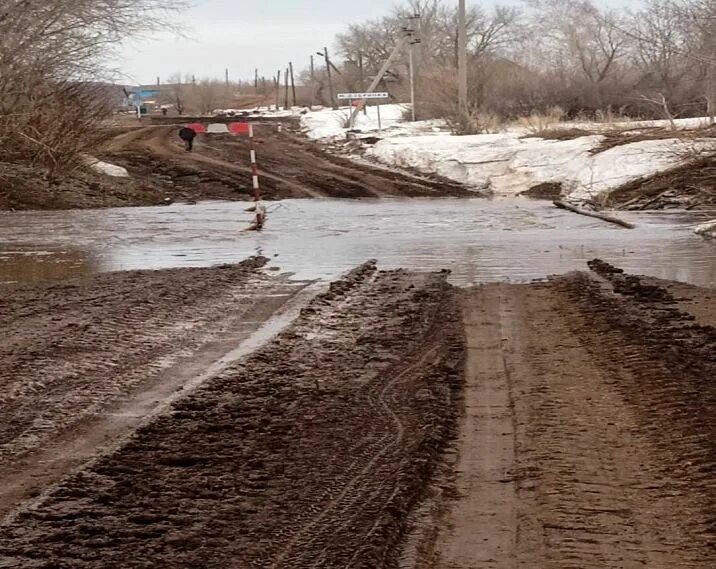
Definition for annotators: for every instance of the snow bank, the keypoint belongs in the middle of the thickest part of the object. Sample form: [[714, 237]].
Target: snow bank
[[106, 168], [260, 112], [508, 164], [331, 124], [681, 124], [707, 229]]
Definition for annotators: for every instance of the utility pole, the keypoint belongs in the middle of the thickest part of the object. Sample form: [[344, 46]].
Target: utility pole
[[285, 105], [227, 76], [383, 70], [361, 72], [256, 80], [313, 83], [462, 59], [330, 78], [278, 89], [711, 71], [411, 31], [412, 81], [293, 83]]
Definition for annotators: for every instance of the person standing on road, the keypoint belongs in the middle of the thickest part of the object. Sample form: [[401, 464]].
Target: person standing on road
[[188, 134]]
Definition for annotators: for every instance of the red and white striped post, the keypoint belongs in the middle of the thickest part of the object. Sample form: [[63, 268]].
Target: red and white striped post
[[254, 166], [260, 209]]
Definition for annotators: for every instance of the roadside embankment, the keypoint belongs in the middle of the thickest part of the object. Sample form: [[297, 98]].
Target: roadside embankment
[[645, 165]]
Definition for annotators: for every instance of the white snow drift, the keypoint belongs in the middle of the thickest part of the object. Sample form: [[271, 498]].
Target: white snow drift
[[106, 168], [505, 163], [707, 229]]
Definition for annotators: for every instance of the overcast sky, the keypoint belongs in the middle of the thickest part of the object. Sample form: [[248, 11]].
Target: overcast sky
[[245, 34]]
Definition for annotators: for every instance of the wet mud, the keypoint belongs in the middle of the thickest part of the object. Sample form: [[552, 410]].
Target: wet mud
[[219, 169], [400, 422], [70, 351], [290, 167], [588, 434], [310, 452]]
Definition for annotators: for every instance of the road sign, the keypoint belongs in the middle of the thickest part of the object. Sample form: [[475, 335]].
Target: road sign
[[353, 96]]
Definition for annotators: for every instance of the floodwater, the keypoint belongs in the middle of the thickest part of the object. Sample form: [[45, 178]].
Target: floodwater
[[479, 240]]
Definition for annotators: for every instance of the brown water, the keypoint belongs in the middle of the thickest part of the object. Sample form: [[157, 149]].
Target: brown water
[[478, 240]]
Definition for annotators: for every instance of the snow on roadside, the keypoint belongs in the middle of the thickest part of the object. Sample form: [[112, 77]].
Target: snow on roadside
[[106, 168], [681, 124], [330, 124], [707, 229], [505, 163]]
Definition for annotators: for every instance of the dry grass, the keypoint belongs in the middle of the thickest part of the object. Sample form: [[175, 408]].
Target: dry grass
[[615, 138], [560, 134], [538, 123]]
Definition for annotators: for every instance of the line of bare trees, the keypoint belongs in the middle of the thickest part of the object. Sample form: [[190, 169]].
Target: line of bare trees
[[52, 58], [570, 55]]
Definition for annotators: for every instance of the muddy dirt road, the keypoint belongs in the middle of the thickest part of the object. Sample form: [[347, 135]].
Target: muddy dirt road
[[397, 422], [161, 171], [588, 437], [84, 363], [291, 167], [309, 453]]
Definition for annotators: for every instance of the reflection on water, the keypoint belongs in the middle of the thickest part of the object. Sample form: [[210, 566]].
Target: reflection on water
[[37, 265], [478, 240]]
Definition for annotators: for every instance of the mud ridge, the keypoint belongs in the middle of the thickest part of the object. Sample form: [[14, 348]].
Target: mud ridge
[[309, 453], [69, 349], [673, 361]]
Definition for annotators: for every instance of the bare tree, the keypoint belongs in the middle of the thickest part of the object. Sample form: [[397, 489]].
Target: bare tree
[[177, 93], [51, 58]]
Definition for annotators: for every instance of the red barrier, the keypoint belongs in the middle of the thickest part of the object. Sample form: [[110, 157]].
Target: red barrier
[[197, 127], [239, 128]]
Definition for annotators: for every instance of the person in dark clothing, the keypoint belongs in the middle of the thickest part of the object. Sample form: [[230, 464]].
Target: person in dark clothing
[[188, 135]]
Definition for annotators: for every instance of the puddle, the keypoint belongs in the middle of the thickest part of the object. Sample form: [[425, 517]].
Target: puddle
[[32, 265], [479, 240]]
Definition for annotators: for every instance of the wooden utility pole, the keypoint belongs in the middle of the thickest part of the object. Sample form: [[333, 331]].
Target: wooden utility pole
[[462, 58], [278, 89], [361, 72], [711, 72], [256, 80], [383, 70], [330, 78], [293, 83], [313, 83], [227, 76], [285, 102]]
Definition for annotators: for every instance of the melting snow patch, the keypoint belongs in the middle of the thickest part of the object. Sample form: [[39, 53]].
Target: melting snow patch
[[508, 164], [707, 229], [106, 168]]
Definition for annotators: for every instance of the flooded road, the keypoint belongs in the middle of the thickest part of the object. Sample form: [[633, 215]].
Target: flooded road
[[479, 240]]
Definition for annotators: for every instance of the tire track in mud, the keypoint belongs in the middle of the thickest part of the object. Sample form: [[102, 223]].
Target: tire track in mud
[[332, 431], [613, 392], [341, 512], [101, 348]]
